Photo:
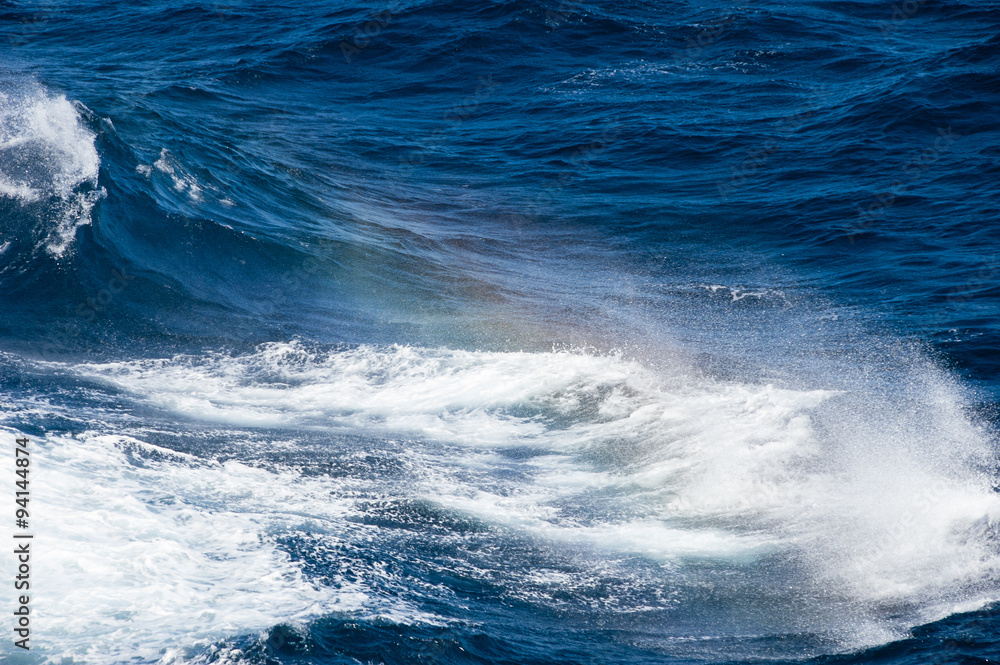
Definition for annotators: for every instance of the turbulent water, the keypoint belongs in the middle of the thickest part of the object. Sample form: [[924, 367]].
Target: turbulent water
[[502, 332]]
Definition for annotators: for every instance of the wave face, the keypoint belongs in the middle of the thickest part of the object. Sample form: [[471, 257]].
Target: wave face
[[503, 332]]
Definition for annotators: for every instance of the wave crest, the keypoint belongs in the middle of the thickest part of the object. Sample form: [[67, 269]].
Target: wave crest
[[48, 159]]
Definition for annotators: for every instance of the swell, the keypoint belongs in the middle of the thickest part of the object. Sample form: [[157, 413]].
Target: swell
[[150, 256], [738, 459], [222, 173]]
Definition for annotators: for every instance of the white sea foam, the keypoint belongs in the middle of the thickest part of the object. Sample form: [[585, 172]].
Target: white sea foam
[[871, 499], [182, 180], [128, 555], [48, 155], [877, 495]]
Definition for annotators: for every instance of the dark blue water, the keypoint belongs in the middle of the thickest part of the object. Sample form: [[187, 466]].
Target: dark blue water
[[504, 332]]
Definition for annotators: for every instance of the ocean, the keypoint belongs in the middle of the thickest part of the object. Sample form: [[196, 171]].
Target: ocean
[[500, 332]]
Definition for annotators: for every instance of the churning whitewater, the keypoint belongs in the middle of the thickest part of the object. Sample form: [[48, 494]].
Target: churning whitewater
[[500, 332], [52, 162], [671, 484]]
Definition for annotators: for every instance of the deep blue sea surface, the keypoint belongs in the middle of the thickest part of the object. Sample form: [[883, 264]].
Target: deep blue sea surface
[[502, 332]]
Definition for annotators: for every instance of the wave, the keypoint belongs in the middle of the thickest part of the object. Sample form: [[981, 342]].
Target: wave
[[148, 545], [573, 346], [850, 514], [48, 167]]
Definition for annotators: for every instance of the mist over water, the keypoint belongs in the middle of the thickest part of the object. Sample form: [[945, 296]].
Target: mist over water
[[503, 332]]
